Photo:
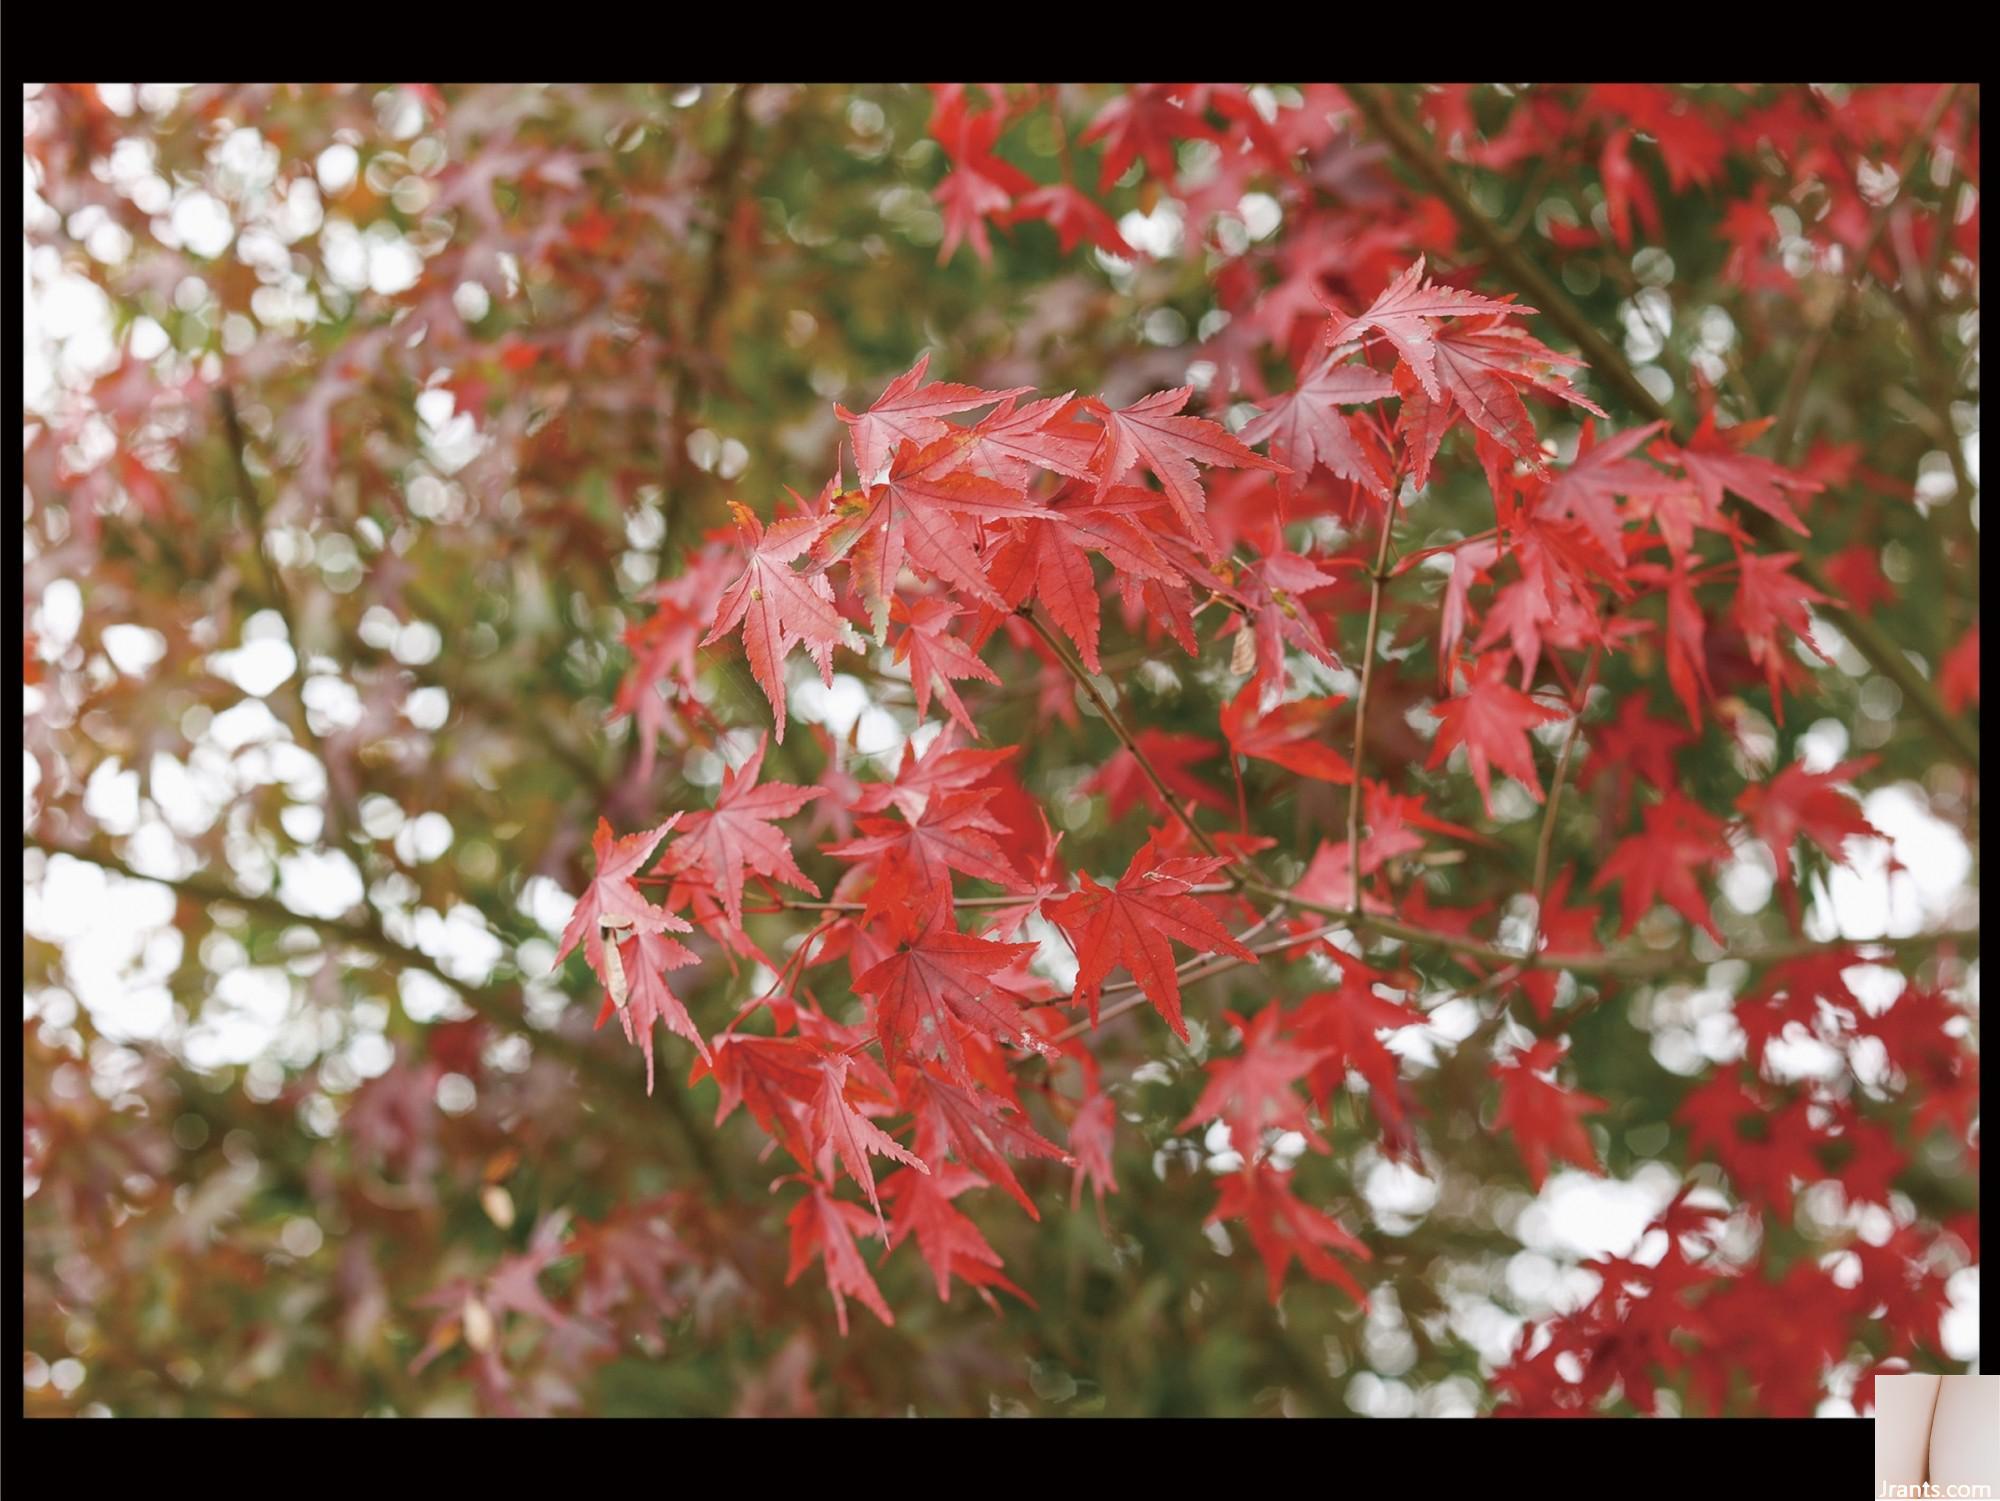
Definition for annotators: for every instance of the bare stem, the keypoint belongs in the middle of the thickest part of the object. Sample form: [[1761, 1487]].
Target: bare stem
[[1375, 581]]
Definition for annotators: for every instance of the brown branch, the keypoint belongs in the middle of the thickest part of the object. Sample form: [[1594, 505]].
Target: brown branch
[[1546, 842], [277, 594], [1784, 431], [1376, 580], [491, 1003], [1110, 717], [725, 183], [1610, 365]]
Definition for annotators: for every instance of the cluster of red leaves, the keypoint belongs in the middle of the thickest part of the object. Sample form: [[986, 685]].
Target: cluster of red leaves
[[1039, 508]]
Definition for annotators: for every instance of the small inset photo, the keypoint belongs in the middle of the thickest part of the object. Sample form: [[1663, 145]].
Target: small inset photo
[[1937, 1436]]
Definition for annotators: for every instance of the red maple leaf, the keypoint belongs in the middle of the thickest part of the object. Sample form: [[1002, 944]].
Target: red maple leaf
[[914, 861], [1293, 735], [1769, 596], [644, 960], [1483, 368], [1282, 1228], [950, 1243], [849, 1136], [1406, 314], [1048, 559], [918, 515], [1958, 673], [1306, 426], [777, 606], [978, 1128], [1715, 462], [936, 656], [1492, 720], [1545, 1118], [737, 836], [776, 1078], [1123, 779], [823, 1229], [943, 980], [1074, 217], [1586, 489], [612, 901], [1149, 433], [1132, 923], [1660, 863], [1253, 1093], [910, 411], [1799, 802]]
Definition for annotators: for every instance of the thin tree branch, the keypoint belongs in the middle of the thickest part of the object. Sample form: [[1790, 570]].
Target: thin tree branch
[[1376, 579], [491, 1003], [1118, 726], [1784, 430]]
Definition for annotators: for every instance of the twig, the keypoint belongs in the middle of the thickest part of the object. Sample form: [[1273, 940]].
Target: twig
[[1546, 842], [1375, 581], [1118, 726]]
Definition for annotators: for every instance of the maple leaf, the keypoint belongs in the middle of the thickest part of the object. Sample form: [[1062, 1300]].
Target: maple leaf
[[1344, 1027], [1282, 1228], [1799, 802], [917, 515], [1545, 1118], [1011, 442], [1491, 721], [1132, 923], [839, 1128], [612, 901], [775, 1078], [1049, 560], [1660, 863], [1123, 779], [1149, 433], [1958, 672], [936, 656], [1144, 122], [914, 861], [644, 961], [1482, 368], [950, 1243], [909, 410], [1586, 490], [1306, 427], [777, 606], [823, 1229], [1406, 314], [1253, 1093], [977, 1129], [1288, 736], [1271, 592], [1091, 1133], [1074, 218], [1715, 462], [1767, 597], [942, 980], [737, 836], [942, 767]]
